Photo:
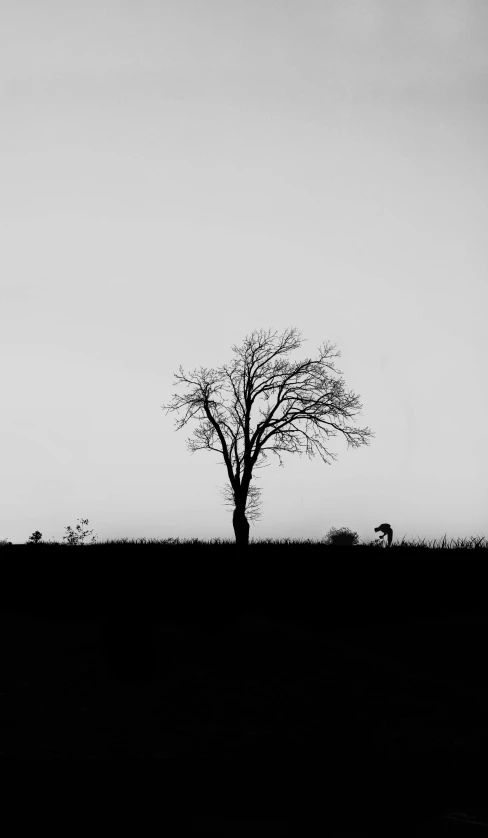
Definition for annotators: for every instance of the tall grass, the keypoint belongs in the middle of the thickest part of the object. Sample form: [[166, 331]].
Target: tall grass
[[472, 543]]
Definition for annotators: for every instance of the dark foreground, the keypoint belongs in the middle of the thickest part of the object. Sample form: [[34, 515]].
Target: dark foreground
[[367, 712], [262, 688]]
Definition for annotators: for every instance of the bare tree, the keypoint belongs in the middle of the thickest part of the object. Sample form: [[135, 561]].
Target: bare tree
[[303, 406]]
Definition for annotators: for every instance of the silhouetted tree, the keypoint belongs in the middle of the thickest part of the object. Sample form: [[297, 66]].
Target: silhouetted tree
[[35, 538], [302, 405]]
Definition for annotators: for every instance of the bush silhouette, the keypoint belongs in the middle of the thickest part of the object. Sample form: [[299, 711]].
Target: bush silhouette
[[78, 538], [344, 536]]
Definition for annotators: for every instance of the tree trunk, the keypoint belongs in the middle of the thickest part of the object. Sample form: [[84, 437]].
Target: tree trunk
[[241, 527]]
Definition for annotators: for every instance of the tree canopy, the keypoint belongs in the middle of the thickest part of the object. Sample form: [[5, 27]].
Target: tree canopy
[[300, 406]]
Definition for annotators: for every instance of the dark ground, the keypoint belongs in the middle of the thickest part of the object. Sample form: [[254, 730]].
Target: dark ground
[[355, 696], [388, 701], [264, 688]]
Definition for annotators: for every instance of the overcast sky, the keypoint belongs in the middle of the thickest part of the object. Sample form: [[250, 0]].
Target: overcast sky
[[176, 174]]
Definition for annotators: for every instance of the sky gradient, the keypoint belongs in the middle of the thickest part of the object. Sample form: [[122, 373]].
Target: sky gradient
[[177, 174]]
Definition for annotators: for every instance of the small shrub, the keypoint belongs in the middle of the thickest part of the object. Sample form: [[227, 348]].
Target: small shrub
[[78, 538], [344, 537]]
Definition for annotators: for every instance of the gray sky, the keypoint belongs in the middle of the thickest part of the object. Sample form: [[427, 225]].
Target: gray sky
[[177, 174]]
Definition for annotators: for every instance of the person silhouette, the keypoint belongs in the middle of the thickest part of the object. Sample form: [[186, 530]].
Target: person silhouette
[[386, 530]]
